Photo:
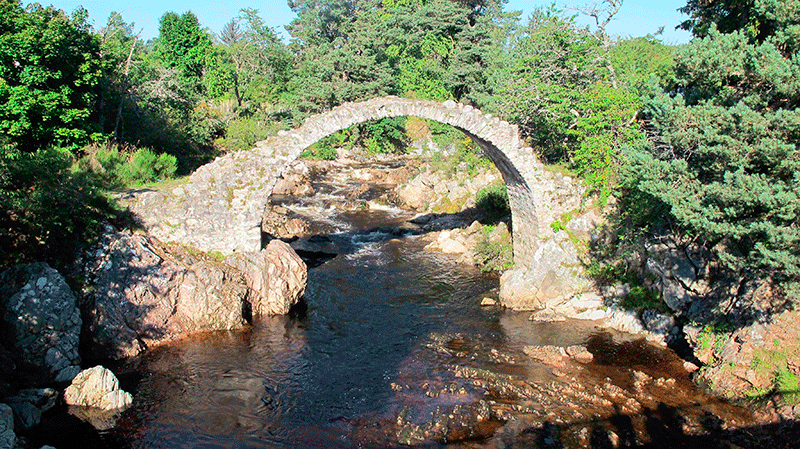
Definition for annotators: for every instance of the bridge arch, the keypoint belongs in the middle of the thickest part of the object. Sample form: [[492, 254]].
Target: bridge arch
[[220, 206]]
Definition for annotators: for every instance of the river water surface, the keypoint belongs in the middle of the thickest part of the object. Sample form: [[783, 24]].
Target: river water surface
[[392, 347]]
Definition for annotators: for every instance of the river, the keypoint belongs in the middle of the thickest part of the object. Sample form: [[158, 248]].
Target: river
[[391, 348]]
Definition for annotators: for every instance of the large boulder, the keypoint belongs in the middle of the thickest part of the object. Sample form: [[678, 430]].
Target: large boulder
[[145, 293], [276, 278], [41, 322], [554, 275], [97, 387]]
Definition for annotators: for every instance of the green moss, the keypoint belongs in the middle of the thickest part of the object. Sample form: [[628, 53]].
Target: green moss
[[713, 336]]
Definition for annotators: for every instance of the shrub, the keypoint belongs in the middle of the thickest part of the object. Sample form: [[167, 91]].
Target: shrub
[[642, 298], [114, 169], [144, 166], [320, 150], [47, 210], [494, 255], [492, 202], [787, 385]]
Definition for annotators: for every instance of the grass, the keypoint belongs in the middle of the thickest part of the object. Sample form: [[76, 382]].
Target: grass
[[494, 255]]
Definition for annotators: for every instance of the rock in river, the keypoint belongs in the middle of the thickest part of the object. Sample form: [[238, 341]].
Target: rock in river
[[276, 278], [145, 293], [99, 388]]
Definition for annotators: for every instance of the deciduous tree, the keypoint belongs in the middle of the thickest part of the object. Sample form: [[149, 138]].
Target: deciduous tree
[[49, 75]]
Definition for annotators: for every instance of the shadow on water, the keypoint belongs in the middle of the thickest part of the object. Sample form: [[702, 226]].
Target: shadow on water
[[664, 430]]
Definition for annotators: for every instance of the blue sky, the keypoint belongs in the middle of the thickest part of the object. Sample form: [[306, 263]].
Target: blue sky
[[636, 18]]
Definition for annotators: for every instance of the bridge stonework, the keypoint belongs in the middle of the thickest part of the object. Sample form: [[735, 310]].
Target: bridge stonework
[[219, 207]]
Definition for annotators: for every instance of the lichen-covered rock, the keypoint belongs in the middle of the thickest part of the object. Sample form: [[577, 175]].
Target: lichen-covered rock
[[41, 322], [679, 271], [97, 387], [276, 278], [144, 295]]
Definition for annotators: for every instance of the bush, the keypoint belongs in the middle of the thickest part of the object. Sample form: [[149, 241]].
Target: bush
[[492, 202], [242, 133], [47, 211], [114, 169], [642, 298], [320, 150], [494, 255]]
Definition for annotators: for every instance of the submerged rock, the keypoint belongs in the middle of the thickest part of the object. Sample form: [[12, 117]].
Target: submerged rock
[[41, 322]]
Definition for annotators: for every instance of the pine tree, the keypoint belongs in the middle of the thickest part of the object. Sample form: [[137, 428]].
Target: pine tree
[[726, 162]]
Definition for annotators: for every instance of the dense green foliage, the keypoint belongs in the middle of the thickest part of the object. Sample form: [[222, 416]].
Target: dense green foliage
[[724, 162], [555, 83], [492, 203], [49, 71], [46, 210]]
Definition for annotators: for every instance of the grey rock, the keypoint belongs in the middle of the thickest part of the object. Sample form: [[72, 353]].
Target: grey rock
[[40, 320], [8, 439], [658, 323], [26, 415], [678, 270], [42, 398]]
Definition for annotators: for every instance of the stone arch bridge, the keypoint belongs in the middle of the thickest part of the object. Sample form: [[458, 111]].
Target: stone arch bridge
[[219, 207]]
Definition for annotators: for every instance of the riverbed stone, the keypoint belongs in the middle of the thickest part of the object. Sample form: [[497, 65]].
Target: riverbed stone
[[97, 387], [41, 322]]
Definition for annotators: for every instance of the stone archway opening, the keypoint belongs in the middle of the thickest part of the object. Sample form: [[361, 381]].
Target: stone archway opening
[[497, 139], [219, 208]]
